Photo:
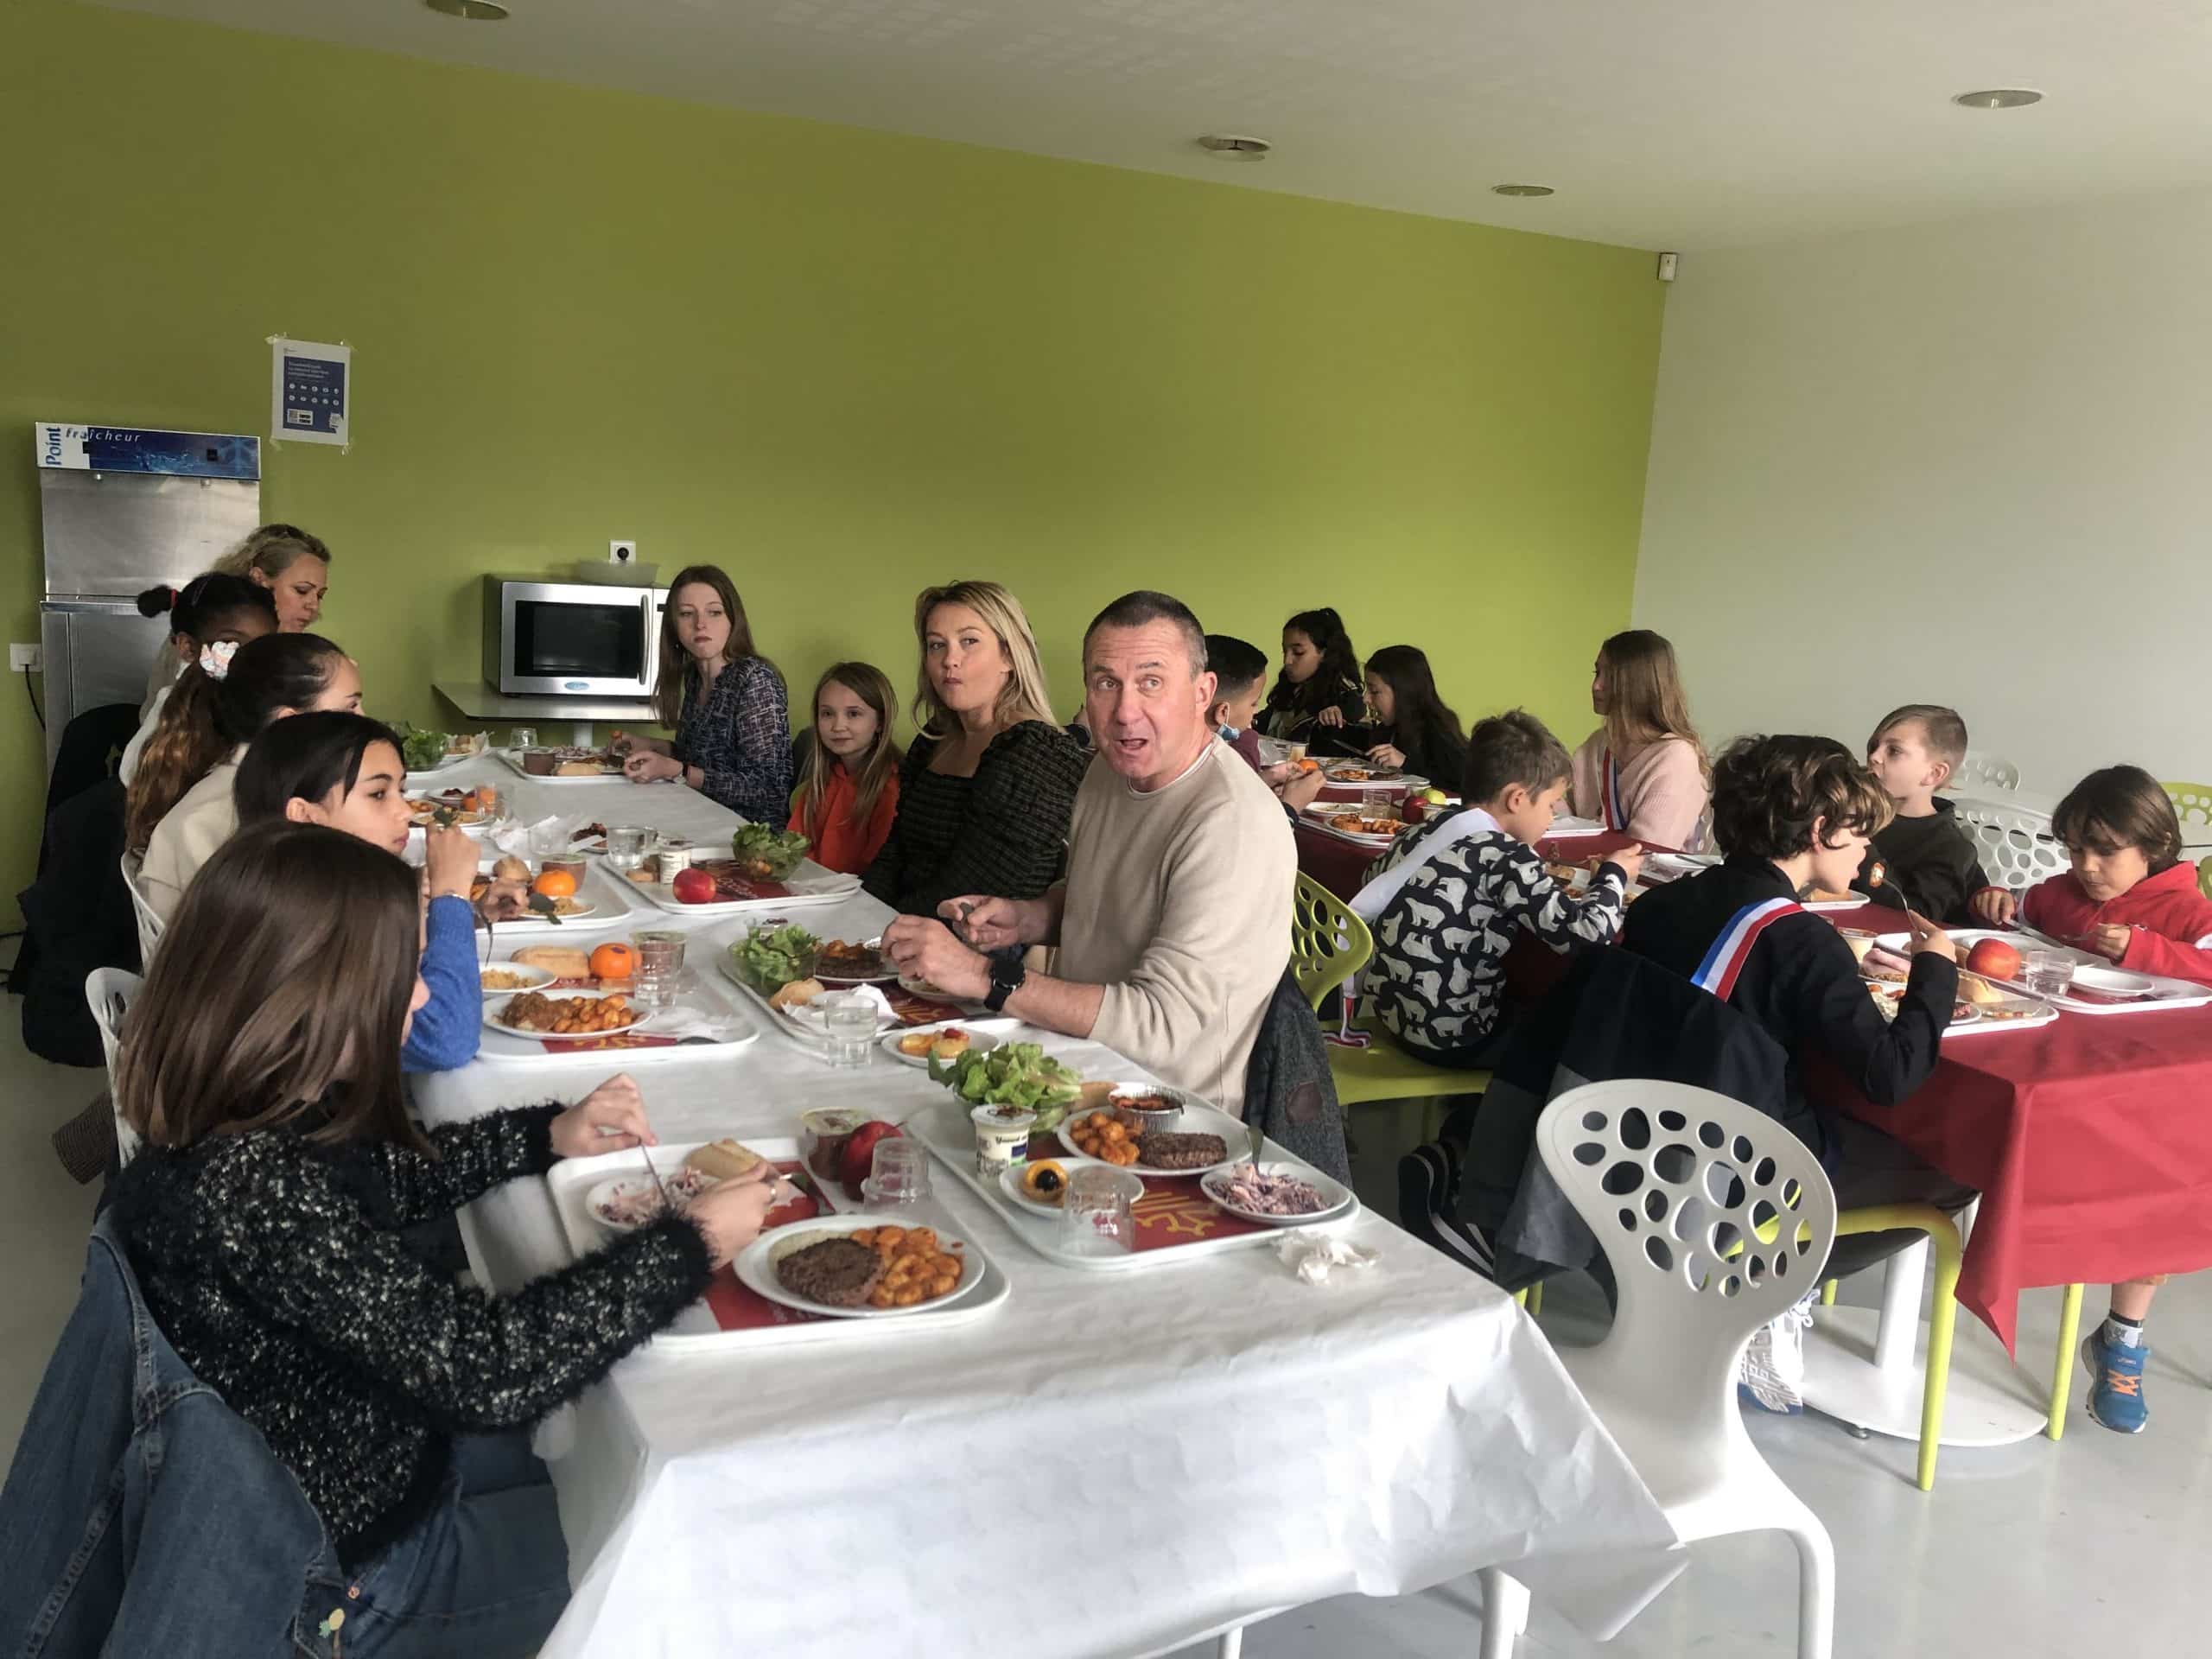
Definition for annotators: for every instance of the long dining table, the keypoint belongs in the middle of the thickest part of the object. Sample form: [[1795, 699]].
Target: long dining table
[[1108, 1464]]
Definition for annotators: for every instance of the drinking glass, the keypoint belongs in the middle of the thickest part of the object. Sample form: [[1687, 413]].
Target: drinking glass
[[660, 965], [848, 1026], [900, 1172], [1098, 1215], [523, 737], [2048, 973], [625, 847]]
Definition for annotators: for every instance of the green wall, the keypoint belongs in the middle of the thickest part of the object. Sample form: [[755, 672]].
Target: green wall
[[842, 363]]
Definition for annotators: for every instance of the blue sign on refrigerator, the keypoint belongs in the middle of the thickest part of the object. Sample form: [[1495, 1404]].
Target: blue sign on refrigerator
[[312, 389], [67, 446]]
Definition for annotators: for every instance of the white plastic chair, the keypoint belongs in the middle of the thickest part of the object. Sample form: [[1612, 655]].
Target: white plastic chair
[[108, 991], [2015, 844], [1714, 1218], [1990, 771], [149, 923]]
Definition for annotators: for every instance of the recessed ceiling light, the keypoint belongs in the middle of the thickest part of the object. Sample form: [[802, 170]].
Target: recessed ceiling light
[[2000, 98], [1236, 147], [1520, 190], [476, 11]]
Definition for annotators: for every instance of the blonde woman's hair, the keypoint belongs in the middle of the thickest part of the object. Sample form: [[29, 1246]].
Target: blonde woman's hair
[[1643, 695], [1024, 695], [877, 767], [273, 549]]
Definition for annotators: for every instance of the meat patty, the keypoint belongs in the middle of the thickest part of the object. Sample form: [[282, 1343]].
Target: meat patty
[[837, 1273], [1164, 1151]]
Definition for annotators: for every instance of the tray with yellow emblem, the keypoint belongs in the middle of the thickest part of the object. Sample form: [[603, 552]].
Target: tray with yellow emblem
[[1175, 1220]]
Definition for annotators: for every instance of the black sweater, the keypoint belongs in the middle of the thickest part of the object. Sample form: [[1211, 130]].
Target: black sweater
[[277, 1268], [1801, 981], [1002, 832], [1928, 864]]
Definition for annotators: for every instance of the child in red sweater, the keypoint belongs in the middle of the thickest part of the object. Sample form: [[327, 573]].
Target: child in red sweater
[[2131, 898], [848, 789]]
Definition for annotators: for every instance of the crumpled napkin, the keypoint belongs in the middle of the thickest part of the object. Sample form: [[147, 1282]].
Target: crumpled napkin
[[1313, 1255], [683, 1020], [536, 840]]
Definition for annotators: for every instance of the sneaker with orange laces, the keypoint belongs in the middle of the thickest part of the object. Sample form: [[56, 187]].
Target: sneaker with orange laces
[[2116, 1395]]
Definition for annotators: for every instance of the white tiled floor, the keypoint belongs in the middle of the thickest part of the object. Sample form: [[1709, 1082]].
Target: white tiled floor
[[2026, 1552]]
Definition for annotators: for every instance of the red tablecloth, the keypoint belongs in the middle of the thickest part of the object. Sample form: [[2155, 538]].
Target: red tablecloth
[[2090, 1142]]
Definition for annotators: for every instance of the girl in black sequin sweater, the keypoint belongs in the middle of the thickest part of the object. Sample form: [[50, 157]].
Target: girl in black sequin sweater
[[263, 1217]]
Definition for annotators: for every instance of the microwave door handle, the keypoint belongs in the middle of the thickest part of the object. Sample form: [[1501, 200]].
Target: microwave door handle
[[652, 643]]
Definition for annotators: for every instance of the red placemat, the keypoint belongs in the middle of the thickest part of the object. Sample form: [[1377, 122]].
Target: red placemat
[[913, 1010], [731, 884], [734, 1307], [1173, 1212]]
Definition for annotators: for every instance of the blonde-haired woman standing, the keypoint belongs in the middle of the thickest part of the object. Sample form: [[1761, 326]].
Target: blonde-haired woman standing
[[986, 792], [1644, 771]]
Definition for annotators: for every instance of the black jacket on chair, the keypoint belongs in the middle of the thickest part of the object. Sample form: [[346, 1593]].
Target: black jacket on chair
[[1615, 1016], [1288, 1090], [77, 916]]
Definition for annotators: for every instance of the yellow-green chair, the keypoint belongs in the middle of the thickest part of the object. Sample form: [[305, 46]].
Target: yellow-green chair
[[1329, 944], [2204, 877], [1943, 1234], [2192, 801]]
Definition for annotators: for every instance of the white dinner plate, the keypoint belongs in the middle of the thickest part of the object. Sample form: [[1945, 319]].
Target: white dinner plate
[[979, 1042], [2112, 982], [885, 973], [1197, 1118], [755, 1266], [499, 998], [1336, 1197]]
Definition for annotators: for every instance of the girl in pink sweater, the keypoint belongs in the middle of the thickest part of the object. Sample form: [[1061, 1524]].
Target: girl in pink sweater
[[1643, 772]]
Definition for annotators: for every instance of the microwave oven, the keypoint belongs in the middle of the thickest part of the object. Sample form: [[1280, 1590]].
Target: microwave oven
[[578, 639]]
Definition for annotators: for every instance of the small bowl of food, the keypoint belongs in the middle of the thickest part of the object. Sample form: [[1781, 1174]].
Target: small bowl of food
[[498, 976], [1146, 1107]]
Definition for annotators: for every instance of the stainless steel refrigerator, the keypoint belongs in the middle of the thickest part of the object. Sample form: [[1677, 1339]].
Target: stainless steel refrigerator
[[122, 509]]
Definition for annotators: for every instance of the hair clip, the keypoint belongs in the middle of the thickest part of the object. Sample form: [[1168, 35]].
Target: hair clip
[[215, 658]]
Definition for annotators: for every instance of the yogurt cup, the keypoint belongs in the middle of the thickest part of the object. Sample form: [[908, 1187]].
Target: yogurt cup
[[1002, 1138]]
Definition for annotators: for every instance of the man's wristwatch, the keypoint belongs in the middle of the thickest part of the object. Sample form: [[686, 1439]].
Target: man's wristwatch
[[1007, 972]]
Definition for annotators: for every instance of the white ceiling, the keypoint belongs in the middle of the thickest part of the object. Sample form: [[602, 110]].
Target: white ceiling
[[1690, 124]]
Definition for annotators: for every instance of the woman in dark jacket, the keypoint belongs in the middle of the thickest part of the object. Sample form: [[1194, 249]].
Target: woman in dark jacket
[[264, 1216], [987, 789]]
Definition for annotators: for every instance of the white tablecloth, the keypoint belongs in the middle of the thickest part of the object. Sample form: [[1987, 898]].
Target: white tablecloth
[[1110, 1465]]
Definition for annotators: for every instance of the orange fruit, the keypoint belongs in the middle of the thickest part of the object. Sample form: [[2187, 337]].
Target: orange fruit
[[613, 960], [556, 883]]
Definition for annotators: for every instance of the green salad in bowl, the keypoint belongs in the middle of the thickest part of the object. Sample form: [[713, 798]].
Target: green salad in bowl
[[1013, 1074], [770, 958], [766, 854], [422, 751]]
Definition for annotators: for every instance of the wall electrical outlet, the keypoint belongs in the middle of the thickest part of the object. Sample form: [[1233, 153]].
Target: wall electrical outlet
[[621, 552], [26, 659]]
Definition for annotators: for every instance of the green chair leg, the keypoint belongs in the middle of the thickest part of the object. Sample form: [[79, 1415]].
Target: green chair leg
[[1828, 1292], [1520, 1298], [1535, 1303], [2062, 1375], [1943, 1320]]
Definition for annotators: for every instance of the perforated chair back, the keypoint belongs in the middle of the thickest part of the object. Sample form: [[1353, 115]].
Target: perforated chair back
[[2192, 803], [149, 923], [1714, 1219], [1988, 771], [1329, 942], [2016, 847], [108, 992]]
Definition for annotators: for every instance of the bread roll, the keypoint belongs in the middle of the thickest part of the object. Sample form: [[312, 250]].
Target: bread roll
[[798, 994], [722, 1160], [562, 960]]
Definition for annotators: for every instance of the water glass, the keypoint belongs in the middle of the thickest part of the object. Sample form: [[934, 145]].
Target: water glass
[[848, 1027], [2048, 973], [900, 1172], [660, 965], [1098, 1215], [523, 737], [627, 845]]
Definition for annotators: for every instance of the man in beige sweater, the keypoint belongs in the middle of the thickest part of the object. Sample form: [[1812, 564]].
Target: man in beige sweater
[[1173, 924]]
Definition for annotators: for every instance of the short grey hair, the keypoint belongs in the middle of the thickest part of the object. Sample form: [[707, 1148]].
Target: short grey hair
[[1133, 610]]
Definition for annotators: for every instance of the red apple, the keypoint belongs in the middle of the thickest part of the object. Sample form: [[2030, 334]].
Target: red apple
[[1994, 959], [859, 1152], [693, 886]]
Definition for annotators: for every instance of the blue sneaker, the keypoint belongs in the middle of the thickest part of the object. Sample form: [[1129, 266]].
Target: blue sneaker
[[2116, 1395]]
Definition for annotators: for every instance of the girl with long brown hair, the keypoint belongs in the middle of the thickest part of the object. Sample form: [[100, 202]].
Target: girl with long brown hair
[[263, 1217], [725, 701], [179, 807], [848, 793], [986, 792], [1644, 771]]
